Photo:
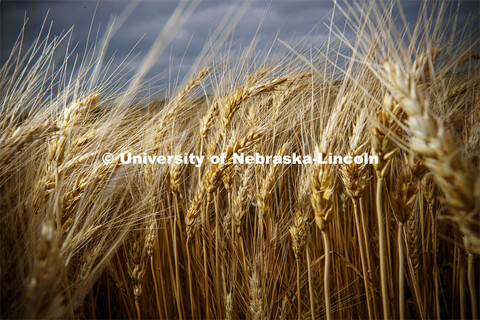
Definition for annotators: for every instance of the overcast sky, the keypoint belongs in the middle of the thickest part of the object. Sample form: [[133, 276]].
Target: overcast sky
[[292, 19]]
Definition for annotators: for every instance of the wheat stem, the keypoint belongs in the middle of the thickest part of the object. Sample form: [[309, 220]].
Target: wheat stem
[[157, 298], [471, 284], [310, 285], [401, 271], [137, 307], [299, 299], [190, 282], [361, 238], [326, 275], [461, 287], [381, 247]]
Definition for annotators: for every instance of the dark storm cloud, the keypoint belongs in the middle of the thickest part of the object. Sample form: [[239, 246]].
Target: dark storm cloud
[[292, 19]]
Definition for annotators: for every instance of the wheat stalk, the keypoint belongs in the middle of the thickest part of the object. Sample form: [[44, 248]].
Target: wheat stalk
[[355, 178], [434, 145]]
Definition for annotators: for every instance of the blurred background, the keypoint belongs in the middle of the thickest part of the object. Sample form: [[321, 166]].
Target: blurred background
[[264, 21]]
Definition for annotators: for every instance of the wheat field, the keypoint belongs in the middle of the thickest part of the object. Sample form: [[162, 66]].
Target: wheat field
[[396, 239]]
